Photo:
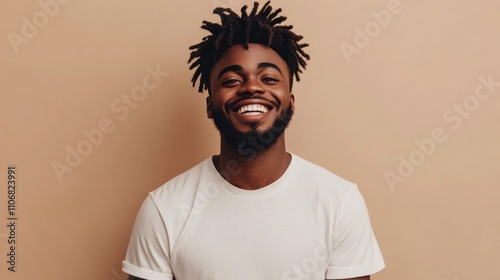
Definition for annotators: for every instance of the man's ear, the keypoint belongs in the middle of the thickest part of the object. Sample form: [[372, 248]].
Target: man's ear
[[292, 101], [210, 107]]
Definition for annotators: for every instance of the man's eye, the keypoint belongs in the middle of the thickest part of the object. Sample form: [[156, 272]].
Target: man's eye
[[269, 80], [230, 82]]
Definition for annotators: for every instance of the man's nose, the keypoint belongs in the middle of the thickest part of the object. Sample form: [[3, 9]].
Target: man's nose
[[252, 86]]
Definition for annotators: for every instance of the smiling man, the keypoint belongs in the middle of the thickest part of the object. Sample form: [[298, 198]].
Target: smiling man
[[255, 211]]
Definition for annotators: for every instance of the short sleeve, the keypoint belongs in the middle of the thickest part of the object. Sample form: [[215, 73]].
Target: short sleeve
[[147, 254], [355, 251]]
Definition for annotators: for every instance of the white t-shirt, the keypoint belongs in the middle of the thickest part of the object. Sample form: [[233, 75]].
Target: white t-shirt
[[309, 224]]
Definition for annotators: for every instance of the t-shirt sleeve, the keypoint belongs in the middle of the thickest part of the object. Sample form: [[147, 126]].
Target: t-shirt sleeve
[[148, 251], [355, 251]]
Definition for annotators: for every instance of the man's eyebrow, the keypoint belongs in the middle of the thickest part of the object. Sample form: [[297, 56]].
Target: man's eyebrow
[[232, 68], [269, 64]]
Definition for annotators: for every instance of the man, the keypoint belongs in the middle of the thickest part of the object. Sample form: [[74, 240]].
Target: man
[[255, 211]]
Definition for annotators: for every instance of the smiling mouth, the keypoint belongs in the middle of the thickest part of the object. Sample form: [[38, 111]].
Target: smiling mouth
[[253, 109]]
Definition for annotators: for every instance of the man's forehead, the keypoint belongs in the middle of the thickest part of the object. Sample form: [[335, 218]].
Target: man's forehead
[[256, 56]]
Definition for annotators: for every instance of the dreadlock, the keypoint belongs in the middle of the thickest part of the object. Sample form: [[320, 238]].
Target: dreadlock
[[259, 27]]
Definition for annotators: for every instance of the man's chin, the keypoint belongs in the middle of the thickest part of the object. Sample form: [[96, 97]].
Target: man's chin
[[252, 129], [235, 137]]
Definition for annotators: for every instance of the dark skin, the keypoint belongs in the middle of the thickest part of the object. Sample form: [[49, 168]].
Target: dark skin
[[237, 75], [257, 71]]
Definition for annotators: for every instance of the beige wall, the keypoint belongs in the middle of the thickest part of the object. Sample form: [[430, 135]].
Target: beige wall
[[362, 106]]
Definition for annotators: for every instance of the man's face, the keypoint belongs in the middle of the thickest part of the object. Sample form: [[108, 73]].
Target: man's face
[[250, 94]]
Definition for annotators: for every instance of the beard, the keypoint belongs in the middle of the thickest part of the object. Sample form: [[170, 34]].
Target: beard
[[260, 140]]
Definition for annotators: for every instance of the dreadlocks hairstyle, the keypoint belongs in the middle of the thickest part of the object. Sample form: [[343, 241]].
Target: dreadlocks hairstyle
[[259, 27]]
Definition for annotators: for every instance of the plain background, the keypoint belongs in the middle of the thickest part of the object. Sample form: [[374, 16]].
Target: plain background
[[359, 115]]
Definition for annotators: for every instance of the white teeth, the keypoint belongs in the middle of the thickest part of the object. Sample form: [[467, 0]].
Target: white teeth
[[254, 109]]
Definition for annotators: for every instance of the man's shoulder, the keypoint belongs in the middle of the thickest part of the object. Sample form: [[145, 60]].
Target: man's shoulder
[[185, 182], [321, 176]]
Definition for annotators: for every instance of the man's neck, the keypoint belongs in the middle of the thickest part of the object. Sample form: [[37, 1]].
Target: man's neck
[[252, 169]]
